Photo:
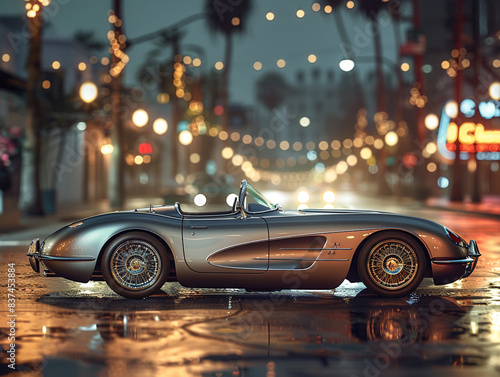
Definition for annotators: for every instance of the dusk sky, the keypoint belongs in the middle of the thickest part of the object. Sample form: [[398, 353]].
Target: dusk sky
[[286, 37]]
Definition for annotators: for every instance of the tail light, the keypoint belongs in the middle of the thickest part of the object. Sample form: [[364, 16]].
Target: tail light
[[455, 238]]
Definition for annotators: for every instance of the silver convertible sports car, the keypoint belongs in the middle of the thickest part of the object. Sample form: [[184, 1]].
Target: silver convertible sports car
[[257, 246]]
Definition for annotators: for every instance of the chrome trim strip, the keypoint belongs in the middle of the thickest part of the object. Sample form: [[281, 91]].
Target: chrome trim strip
[[317, 249], [64, 259], [298, 235], [453, 261], [305, 259], [238, 268]]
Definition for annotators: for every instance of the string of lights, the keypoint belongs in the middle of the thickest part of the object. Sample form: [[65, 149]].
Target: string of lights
[[117, 41]]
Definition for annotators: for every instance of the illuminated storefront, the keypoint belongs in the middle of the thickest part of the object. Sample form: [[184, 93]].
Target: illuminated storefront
[[478, 131]]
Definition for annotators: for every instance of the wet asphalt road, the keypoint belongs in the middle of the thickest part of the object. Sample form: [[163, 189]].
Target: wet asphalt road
[[65, 328]]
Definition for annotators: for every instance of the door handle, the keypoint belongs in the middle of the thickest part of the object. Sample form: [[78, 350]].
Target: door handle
[[199, 227]]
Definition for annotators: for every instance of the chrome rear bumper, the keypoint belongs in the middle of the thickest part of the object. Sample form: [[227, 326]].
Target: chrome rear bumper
[[473, 254], [470, 261]]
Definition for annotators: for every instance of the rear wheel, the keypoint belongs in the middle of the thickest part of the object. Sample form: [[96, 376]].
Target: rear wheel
[[135, 265], [391, 264]]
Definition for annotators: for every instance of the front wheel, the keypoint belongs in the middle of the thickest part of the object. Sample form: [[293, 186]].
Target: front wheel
[[135, 265], [392, 264]]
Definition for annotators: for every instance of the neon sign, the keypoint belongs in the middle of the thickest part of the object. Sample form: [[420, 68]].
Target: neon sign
[[471, 135]]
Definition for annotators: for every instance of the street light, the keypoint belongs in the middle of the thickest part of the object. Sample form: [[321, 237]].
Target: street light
[[160, 126], [366, 153], [495, 91], [431, 121], [391, 138], [451, 109], [346, 65], [185, 137], [88, 92], [140, 118], [107, 148]]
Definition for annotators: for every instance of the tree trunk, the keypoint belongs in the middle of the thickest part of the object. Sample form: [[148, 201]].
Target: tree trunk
[[383, 187], [476, 179], [378, 66], [176, 114], [399, 91], [457, 192], [225, 81], [31, 196], [420, 188], [116, 182]]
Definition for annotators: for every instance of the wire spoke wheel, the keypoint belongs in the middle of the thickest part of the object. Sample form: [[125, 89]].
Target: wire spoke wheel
[[392, 264], [135, 265]]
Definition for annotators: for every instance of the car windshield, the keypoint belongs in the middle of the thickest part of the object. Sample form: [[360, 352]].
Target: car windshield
[[256, 202]]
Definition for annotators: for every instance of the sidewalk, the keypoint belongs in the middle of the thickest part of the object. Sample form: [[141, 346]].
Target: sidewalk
[[70, 213], [489, 206]]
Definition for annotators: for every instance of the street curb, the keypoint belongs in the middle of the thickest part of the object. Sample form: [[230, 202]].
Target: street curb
[[458, 210]]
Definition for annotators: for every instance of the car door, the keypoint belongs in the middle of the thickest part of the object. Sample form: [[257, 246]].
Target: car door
[[226, 244]]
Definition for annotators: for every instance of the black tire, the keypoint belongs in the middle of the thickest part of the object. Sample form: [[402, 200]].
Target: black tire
[[135, 265], [391, 264]]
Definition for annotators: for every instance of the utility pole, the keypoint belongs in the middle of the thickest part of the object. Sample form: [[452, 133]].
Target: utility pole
[[457, 192], [176, 105], [476, 190], [418, 60], [420, 84]]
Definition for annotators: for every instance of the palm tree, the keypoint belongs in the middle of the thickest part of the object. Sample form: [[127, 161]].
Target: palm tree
[[227, 20], [272, 89]]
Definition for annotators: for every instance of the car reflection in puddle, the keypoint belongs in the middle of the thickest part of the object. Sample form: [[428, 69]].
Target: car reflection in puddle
[[237, 331]]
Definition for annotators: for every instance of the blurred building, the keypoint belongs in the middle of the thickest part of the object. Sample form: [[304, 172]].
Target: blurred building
[[73, 167], [479, 54], [12, 120]]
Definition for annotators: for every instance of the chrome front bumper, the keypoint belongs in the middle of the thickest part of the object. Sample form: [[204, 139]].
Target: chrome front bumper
[[35, 257], [470, 261]]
